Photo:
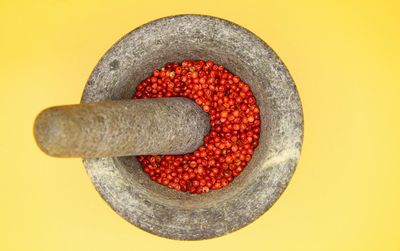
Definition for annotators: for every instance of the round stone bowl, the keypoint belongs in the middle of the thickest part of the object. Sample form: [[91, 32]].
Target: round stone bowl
[[184, 216]]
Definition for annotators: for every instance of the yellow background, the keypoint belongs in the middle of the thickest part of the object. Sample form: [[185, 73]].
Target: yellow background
[[344, 57]]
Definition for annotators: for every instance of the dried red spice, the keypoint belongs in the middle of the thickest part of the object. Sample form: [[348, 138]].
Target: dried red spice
[[234, 120]]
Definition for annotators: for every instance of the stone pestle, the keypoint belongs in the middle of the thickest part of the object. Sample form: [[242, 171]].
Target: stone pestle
[[122, 128]]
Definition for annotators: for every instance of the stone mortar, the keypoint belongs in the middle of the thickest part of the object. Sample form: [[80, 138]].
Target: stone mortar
[[173, 214]]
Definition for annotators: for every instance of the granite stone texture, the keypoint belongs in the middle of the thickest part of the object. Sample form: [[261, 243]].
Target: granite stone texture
[[122, 128], [173, 214]]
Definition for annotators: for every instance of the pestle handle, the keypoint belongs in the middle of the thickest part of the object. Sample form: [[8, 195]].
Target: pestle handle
[[121, 128]]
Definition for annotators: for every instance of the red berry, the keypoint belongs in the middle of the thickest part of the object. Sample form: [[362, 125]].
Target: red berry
[[224, 114], [193, 164]]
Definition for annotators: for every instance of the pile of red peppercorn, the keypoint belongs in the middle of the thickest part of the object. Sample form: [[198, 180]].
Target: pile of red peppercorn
[[234, 120]]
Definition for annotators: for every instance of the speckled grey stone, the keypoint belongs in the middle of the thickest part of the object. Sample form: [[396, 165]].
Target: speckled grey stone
[[122, 128], [172, 214]]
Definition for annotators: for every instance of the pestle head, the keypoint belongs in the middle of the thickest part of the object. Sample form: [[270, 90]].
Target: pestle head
[[122, 128]]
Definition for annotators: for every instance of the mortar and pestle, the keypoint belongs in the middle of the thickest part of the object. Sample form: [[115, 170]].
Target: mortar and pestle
[[108, 128]]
